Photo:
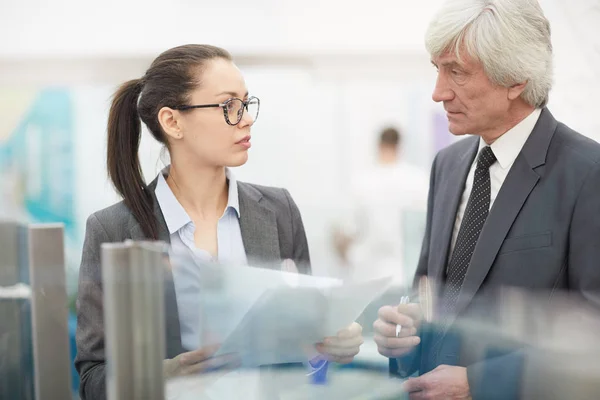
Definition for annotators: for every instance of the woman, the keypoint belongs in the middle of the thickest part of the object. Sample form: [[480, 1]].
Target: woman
[[194, 101]]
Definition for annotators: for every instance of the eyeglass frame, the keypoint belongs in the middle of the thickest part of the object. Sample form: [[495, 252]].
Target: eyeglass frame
[[224, 107]]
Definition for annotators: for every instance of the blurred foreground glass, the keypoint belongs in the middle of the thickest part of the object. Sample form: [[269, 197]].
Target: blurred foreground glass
[[258, 312], [34, 340], [132, 277]]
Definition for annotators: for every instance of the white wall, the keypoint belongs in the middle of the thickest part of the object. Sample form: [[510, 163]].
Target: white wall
[[136, 27], [576, 42]]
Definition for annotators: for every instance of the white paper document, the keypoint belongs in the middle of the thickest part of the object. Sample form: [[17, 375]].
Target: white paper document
[[280, 316]]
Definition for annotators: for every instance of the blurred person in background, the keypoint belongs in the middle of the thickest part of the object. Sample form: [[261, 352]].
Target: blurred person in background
[[516, 204], [194, 101], [371, 242]]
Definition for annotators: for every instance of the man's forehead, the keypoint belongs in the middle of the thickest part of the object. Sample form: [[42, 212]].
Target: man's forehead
[[446, 58], [450, 58]]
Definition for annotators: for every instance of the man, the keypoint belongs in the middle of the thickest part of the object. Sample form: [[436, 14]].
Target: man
[[516, 205], [385, 199]]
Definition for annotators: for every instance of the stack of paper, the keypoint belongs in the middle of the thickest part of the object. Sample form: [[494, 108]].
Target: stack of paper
[[270, 317]]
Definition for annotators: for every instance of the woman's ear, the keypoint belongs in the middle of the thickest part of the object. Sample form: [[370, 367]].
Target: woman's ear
[[170, 122]]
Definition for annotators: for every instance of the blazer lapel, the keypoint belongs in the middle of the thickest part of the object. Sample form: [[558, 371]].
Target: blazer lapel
[[172, 327], [451, 191], [519, 183], [258, 225]]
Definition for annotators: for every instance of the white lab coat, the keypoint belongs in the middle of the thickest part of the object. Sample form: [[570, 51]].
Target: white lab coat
[[388, 204]]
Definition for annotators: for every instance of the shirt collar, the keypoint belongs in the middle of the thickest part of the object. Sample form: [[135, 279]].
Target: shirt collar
[[175, 215], [508, 146], [233, 200]]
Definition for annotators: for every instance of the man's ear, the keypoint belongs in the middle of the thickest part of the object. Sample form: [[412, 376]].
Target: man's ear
[[515, 90]]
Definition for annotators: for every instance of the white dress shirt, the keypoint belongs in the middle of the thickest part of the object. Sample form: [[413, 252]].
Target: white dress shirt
[[186, 276], [506, 149]]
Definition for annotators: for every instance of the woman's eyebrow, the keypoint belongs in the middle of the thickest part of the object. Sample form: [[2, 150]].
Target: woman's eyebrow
[[230, 93]]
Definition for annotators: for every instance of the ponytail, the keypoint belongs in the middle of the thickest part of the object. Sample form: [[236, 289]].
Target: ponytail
[[169, 81], [124, 134]]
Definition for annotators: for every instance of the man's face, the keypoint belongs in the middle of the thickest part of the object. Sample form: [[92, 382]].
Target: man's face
[[473, 104]]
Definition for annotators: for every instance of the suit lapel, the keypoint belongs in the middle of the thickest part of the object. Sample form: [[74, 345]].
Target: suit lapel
[[172, 326], [518, 185], [451, 190], [515, 190], [258, 225]]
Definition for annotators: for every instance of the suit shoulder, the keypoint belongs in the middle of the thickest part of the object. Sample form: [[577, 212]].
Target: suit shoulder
[[113, 219], [458, 148], [277, 199], [269, 193], [579, 148]]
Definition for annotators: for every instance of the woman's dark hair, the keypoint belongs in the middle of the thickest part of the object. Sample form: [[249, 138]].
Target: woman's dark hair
[[168, 82]]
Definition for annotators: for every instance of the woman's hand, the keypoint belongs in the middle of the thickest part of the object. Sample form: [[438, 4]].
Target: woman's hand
[[343, 347], [197, 361]]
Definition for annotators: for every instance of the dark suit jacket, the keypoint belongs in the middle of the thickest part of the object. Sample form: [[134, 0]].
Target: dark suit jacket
[[272, 231], [542, 233]]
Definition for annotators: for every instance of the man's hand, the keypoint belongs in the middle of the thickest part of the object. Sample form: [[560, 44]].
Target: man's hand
[[408, 316], [343, 347], [197, 361], [443, 383]]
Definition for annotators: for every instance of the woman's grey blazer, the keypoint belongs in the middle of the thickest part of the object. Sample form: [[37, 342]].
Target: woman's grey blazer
[[272, 231]]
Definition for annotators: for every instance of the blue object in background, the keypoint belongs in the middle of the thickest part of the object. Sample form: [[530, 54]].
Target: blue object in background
[[37, 158], [40, 150], [73, 347]]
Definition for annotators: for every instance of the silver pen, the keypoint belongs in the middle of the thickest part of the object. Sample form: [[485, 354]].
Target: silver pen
[[403, 300]]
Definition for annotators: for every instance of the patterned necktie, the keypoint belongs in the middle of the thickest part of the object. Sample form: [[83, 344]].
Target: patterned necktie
[[476, 213]]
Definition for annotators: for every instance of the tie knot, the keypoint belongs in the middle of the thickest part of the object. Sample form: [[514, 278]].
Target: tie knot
[[486, 158]]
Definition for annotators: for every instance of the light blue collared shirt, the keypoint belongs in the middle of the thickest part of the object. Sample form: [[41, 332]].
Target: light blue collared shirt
[[186, 276]]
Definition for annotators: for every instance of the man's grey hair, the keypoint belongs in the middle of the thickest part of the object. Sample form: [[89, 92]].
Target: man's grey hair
[[511, 38]]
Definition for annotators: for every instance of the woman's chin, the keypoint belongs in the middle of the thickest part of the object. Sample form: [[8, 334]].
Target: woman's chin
[[238, 160]]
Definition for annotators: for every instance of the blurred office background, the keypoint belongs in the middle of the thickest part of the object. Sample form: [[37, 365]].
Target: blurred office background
[[330, 75]]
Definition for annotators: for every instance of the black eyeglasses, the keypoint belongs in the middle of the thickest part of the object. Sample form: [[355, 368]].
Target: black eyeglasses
[[233, 109]]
